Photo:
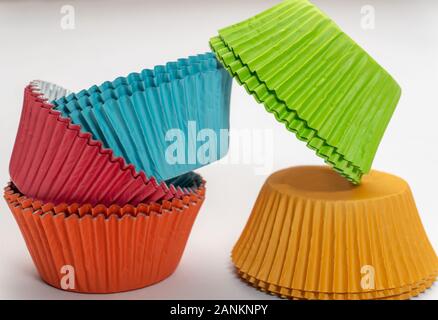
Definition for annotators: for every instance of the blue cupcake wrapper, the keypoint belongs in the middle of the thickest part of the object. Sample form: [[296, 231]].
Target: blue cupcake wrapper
[[146, 78], [132, 115]]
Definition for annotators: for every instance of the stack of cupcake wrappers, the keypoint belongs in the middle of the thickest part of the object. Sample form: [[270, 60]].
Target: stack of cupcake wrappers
[[102, 180], [79, 189], [313, 234]]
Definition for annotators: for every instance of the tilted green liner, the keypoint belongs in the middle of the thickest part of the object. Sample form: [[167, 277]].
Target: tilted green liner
[[315, 79]]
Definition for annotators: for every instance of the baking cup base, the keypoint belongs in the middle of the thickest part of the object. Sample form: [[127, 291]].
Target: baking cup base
[[313, 235], [104, 249]]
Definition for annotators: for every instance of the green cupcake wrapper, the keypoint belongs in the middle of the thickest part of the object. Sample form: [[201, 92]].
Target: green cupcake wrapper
[[314, 78], [294, 124]]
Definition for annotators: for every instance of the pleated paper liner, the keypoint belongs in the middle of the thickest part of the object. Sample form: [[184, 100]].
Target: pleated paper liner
[[312, 231], [108, 249], [393, 294], [54, 162], [156, 124], [303, 67], [203, 100]]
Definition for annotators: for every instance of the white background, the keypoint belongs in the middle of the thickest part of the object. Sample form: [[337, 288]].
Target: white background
[[114, 38]]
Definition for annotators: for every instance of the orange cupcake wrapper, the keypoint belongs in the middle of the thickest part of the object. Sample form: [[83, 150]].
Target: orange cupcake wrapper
[[110, 249], [312, 231]]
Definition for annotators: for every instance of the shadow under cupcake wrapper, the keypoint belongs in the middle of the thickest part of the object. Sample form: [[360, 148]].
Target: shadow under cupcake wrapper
[[296, 58], [54, 162], [324, 231], [116, 250], [135, 125], [188, 180], [403, 293]]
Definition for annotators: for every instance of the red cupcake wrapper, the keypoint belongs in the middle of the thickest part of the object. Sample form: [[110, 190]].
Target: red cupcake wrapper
[[54, 161]]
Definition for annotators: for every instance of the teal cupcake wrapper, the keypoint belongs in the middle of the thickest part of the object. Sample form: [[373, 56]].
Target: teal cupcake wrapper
[[134, 116]]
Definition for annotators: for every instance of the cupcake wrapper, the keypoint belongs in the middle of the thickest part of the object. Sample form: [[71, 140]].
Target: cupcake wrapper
[[133, 115], [54, 161], [319, 241], [111, 249], [281, 112], [315, 79]]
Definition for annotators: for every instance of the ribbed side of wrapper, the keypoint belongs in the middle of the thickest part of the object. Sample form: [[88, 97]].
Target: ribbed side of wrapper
[[139, 117], [285, 115]]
